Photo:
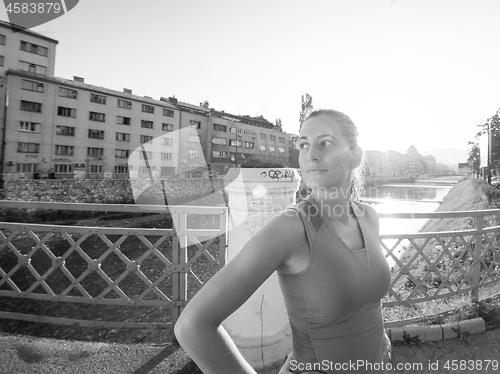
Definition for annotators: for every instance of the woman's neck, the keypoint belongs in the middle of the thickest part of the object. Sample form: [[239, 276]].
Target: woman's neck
[[333, 204]]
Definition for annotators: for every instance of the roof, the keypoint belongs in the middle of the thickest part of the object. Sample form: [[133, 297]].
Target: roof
[[90, 87], [24, 30]]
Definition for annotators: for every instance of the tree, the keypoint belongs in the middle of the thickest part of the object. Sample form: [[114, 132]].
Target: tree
[[474, 156], [492, 127], [306, 106]]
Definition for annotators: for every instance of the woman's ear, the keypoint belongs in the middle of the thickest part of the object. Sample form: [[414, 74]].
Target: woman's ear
[[356, 157]]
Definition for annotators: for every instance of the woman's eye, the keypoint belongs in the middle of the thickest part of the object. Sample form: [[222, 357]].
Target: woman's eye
[[302, 146], [325, 143]]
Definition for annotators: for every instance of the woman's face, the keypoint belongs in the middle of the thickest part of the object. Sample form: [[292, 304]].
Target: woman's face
[[326, 159]]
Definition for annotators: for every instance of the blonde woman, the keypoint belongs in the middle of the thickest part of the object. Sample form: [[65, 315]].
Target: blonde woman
[[331, 269]]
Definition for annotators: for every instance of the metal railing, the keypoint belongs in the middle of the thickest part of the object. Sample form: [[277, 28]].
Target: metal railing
[[429, 266], [110, 266], [105, 265]]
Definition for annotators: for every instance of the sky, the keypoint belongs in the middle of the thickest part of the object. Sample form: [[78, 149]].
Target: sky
[[407, 72]]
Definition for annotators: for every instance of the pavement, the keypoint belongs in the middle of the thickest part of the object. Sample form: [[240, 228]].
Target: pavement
[[27, 354]]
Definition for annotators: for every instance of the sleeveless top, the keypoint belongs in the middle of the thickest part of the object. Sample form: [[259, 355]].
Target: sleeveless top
[[334, 305]]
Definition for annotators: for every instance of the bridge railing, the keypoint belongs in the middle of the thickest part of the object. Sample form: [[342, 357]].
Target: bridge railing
[[432, 266], [163, 267], [111, 266]]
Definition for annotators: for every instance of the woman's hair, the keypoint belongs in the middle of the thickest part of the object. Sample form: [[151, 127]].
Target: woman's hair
[[350, 132]]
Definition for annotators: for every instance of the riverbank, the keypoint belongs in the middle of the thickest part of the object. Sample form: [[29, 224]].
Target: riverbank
[[468, 194]]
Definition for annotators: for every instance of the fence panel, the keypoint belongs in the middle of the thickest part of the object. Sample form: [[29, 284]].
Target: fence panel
[[103, 266], [438, 265]]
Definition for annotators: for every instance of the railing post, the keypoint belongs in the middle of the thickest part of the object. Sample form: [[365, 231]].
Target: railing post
[[179, 280], [260, 326], [476, 264]]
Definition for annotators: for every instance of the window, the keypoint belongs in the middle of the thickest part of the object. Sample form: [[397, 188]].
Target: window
[[219, 154], [2, 60], [194, 152], [32, 86], [195, 124], [194, 138], [28, 147], [262, 147], [30, 106], [2, 39], [34, 48], [281, 150], [149, 155], [146, 138], [63, 168], [95, 169], [121, 169], [272, 137], [249, 132], [248, 144], [95, 152], [235, 143], [148, 108], [65, 130], [123, 137], [66, 112], [167, 127], [167, 141], [29, 126], [144, 170], [64, 150], [220, 141], [26, 168], [281, 139], [99, 99], [166, 156], [146, 124], [32, 68], [121, 153], [168, 112], [99, 117], [123, 120], [271, 149], [235, 130], [96, 134], [68, 92], [263, 136], [124, 104], [221, 128]]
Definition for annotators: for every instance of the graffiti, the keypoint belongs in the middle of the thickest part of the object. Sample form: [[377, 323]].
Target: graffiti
[[279, 174]]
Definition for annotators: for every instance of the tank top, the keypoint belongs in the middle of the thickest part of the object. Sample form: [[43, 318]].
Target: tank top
[[334, 305]]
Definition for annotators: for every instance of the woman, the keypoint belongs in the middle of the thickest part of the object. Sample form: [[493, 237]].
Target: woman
[[331, 269]]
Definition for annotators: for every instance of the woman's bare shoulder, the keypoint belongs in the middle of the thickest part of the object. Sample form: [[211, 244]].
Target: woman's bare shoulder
[[285, 234]]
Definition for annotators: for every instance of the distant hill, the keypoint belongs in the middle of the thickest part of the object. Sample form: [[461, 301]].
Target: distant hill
[[447, 156]]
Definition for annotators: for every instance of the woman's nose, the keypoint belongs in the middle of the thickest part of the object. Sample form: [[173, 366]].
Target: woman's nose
[[313, 154]]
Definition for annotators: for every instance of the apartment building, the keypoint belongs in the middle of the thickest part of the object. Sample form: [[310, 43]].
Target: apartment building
[[67, 128]]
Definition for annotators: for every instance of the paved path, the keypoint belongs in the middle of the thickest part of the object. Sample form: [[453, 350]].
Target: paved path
[[26, 354]]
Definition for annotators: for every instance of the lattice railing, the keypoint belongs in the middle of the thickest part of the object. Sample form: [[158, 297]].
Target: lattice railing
[[128, 267], [163, 268], [437, 265]]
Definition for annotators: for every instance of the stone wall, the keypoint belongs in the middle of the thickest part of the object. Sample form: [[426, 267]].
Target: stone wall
[[110, 191]]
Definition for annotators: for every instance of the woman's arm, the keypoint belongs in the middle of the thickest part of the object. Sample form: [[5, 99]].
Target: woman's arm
[[199, 330]]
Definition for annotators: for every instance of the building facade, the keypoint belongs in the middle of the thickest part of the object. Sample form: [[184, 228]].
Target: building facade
[[63, 128]]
